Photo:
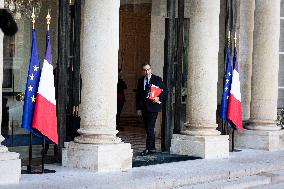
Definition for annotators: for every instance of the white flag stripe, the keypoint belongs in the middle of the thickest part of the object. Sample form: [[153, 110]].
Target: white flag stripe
[[46, 84], [235, 87]]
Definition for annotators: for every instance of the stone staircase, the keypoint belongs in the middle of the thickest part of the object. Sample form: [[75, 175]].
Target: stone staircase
[[254, 169]]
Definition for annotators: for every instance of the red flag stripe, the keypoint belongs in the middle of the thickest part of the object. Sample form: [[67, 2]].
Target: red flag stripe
[[44, 115], [235, 111]]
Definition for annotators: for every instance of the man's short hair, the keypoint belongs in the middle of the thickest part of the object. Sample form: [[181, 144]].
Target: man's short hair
[[145, 64]]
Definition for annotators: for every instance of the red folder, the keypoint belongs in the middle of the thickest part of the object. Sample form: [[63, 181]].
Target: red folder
[[155, 91]]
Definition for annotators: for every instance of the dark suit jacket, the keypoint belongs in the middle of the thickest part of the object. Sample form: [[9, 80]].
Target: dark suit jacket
[[144, 104]]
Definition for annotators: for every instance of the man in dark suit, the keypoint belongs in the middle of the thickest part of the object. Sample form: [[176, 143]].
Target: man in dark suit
[[147, 108]]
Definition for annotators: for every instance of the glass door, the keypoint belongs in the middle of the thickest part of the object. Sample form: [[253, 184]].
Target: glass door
[[16, 57]]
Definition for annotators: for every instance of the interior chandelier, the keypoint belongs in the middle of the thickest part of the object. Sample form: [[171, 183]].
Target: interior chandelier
[[23, 8]]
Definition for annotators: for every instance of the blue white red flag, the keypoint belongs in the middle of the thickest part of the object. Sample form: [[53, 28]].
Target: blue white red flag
[[234, 104], [45, 119]]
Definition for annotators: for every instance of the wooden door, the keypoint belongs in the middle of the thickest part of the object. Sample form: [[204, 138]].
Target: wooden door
[[134, 48]]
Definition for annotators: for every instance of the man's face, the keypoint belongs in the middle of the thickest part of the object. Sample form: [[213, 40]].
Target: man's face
[[146, 70]]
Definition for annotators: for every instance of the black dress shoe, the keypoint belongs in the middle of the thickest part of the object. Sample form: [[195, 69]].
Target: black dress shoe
[[147, 152], [144, 153], [152, 151]]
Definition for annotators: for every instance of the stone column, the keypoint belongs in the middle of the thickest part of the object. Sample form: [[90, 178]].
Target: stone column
[[245, 53], [97, 148], [263, 132], [157, 37], [10, 164], [200, 137]]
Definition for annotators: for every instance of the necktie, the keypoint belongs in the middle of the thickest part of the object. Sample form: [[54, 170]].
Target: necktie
[[147, 87]]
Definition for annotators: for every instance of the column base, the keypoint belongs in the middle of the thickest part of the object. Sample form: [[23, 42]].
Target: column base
[[98, 157], [265, 125], [259, 139], [10, 168], [206, 147]]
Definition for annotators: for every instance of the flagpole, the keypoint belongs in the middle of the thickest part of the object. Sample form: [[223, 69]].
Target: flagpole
[[233, 140], [48, 18], [43, 154], [233, 132], [225, 129], [29, 166], [226, 123], [33, 18]]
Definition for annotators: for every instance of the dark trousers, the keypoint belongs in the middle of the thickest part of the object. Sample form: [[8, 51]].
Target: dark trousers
[[119, 110], [149, 119]]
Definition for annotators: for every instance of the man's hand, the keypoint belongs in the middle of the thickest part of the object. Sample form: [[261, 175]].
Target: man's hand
[[156, 100], [139, 113]]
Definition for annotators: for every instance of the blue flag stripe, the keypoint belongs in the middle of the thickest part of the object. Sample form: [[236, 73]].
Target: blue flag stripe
[[227, 86], [31, 86], [48, 55]]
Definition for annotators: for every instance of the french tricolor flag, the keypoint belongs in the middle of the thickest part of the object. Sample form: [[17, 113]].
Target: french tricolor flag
[[234, 104], [44, 119]]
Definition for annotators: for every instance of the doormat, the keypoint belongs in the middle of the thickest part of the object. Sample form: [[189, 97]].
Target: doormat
[[159, 158]]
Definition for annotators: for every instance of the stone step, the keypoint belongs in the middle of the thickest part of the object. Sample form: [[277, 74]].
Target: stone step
[[272, 186], [263, 180], [236, 183], [277, 180], [244, 172], [247, 169]]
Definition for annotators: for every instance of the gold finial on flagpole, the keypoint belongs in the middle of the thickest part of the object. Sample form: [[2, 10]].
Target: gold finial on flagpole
[[48, 18], [33, 18], [235, 38], [229, 37]]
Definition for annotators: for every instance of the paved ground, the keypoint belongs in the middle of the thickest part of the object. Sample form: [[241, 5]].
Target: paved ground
[[246, 169], [131, 131]]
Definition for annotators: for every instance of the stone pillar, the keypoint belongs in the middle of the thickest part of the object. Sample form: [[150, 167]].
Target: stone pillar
[[200, 137], [97, 148], [157, 37], [10, 164], [245, 53], [263, 133]]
